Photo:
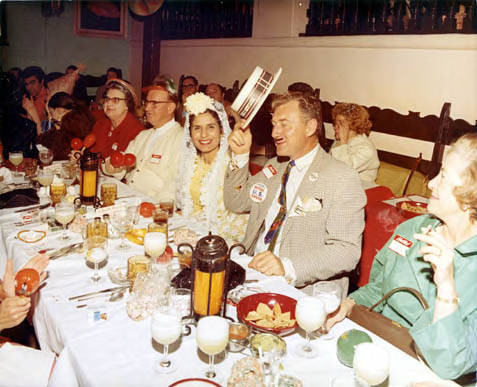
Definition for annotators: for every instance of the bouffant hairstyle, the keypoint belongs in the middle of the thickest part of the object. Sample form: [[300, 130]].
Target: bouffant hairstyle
[[130, 102], [309, 105], [356, 115], [466, 193]]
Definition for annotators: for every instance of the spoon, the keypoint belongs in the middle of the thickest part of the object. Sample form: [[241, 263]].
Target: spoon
[[115, 296]]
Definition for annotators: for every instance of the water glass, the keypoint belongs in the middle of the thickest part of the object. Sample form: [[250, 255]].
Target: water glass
[[212, 337], [181, 299], [64, 214], [46, 157], [165, 329], [310, 314], [96, 252], [122, 220]]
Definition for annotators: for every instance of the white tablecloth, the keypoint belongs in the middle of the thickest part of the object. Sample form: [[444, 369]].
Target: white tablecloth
[[121, 352]]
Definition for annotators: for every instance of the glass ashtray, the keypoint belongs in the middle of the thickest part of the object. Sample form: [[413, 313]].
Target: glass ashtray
[[119, 275]]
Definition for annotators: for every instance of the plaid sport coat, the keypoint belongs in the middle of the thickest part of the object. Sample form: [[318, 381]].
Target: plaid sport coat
[[321, 242]]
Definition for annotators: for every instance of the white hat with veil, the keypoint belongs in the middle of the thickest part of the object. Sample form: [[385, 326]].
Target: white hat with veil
[[196, 104]]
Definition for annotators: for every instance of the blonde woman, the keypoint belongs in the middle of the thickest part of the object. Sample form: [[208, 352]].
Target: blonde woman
[[353, 146]]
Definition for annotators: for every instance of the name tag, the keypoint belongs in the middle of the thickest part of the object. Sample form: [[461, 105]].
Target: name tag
[[155, 159], [114, 147], [269, 171], [400, 245], [258, 192]]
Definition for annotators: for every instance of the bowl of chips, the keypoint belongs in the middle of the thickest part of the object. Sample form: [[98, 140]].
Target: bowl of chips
[[411, 208], [268, 312]]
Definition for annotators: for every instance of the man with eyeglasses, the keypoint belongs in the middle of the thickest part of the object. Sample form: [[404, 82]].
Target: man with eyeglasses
[[157, 150]]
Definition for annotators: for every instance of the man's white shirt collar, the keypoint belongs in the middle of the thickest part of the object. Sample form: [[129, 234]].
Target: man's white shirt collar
[[164, 127], [305, 161]]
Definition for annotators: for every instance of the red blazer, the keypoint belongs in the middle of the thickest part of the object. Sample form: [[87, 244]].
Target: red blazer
[[120, 137]]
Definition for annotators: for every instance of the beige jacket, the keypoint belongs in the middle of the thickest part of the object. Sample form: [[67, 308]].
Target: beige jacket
[[360, 154], [322, 239], [156, 166]]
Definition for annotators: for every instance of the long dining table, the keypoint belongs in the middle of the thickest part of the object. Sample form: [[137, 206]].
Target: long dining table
[[118, 351]]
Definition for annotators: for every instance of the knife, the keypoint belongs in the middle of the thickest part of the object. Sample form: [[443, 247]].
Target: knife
[[37, 207], [99, 292], [65, 250]]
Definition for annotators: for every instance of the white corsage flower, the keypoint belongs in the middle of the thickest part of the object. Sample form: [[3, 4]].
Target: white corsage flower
[[198, 103]]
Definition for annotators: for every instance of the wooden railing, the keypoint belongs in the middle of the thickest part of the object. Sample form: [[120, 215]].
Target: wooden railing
[[202, 19], [358, 17]]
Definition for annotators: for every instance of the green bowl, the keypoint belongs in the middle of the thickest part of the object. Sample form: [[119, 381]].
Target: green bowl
[[346, 344]]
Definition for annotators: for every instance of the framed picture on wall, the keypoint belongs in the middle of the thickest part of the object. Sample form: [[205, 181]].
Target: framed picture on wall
[[101, 19]]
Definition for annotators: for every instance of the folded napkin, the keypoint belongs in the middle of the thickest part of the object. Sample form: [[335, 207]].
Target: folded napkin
[[19, 198], [24, 366], [6, 174]]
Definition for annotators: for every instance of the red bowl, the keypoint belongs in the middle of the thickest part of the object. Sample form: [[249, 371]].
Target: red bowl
[[407, 209], [194, 382], [250, 303]]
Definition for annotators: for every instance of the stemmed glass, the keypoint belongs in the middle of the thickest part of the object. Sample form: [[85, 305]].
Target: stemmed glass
[[64, 214], [46, 157], [330, 293], [68, 172], [122, 220], [212, 337], [16, 159], [45, 177], [96, 252], [166, 328], [310, 314], [154, 244]]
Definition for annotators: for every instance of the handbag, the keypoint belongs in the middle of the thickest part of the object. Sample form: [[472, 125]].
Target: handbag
[[386, 328]]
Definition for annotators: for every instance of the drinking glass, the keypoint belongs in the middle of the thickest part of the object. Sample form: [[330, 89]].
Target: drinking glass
[[310, 314], [96, 252], [64, 214], [16, 159], [165, 328], [30, 167], [160, 218], [46, 157], [212, 337], [180, 298], [108, 193], [168, 206], [68, 172], [154, 244], [57, 191], [122, 220], [45, 177], [330, 293]]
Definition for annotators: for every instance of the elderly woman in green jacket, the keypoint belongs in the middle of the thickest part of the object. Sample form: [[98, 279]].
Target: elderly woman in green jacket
[[435, 254]]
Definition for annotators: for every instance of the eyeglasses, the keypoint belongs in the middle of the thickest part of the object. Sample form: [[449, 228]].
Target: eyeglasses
[[154, 103], [114, 100]]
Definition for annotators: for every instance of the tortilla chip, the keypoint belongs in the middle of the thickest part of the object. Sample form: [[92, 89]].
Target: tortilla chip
[[253, 316], [264, 310], [277, 311]]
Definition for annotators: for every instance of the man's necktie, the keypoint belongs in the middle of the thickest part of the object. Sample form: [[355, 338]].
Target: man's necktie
[[272, 234]]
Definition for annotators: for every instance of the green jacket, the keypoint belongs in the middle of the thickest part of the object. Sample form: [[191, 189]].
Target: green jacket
[[449, 346]]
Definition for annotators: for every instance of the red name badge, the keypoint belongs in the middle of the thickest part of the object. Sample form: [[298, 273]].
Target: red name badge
[[156, 159], [400, 245]]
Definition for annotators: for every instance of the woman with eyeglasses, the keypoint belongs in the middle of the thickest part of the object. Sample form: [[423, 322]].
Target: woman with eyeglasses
[[69, 120], [120, 126]]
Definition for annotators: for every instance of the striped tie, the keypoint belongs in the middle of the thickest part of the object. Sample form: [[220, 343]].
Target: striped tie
[[272, 234]]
